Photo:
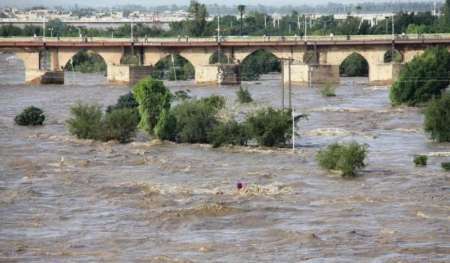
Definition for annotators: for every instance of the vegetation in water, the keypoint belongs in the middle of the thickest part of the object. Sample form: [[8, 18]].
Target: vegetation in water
[[270, 127], [30, 116], [244, 95], [88, 122], [229, 133], [420, 160], [328, 90], [85, 121], [425, 77], [346, 158], [153, 97], [445, 166], [437, 118]]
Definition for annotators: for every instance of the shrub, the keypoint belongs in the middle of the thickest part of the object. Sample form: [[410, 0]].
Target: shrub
[[230, 132], [437, 118], [445, 166], [243, 95], [119, 124], [30, 116], [423, 78], [328, 90], [153, 97], [214, 101], [347, 158], [194, 120], [270, 127], [166, 128], [420, 160], [124, 101], [86, 121]]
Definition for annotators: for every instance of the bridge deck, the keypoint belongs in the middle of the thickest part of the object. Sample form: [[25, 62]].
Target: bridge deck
[[229, 41]]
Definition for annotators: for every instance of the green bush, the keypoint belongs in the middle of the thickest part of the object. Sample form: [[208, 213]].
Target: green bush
[[346, 158], [437, 118], [243, 95], [423, 78], [30, 116], [166, 128], [230, 132], [420, 160], [124, 101], [86, 121], [195, 119], [270, 127], [89, 122], [214, 101], [119, 124], [445, 166], [328, 90], [153, 97]]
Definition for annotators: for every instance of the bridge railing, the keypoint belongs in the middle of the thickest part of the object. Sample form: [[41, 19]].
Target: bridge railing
[[232, 38]]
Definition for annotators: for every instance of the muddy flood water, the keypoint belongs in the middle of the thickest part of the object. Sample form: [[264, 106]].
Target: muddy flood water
[[64, 199]]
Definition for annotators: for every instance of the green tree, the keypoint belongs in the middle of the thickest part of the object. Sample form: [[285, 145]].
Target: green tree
[[346, 158], [197, 24], [153, 97], [241, 9], [423, 78], [354, 65], [270, 127], [437, 118]]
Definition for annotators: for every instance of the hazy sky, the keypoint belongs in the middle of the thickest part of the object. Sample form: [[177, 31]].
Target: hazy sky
[[22, 3]]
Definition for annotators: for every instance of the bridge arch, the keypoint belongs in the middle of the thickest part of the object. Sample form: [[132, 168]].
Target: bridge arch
[[354, 65], [111, 55], [174, 66], [260, 61], [86, 61], [393, 56]]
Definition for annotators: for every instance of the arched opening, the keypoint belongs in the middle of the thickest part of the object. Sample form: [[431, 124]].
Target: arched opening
[[12, 69], [393, 56], [174, 67], [217, 57], [86, 61], [85, 67], [354, 65], [258, 63]]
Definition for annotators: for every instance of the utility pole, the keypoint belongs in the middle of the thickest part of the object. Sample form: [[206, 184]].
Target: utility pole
[[393, 24], [43, 28], [289, 83], [293, 129], [306, 27], [282, 84], [132, 32]]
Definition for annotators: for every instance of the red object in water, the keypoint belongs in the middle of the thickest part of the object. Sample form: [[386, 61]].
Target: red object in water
[[239, 185]]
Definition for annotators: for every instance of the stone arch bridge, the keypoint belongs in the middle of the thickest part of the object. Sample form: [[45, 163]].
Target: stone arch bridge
[[329, 53]]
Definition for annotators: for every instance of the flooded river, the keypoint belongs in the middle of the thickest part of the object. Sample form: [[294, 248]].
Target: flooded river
[[63, 199]]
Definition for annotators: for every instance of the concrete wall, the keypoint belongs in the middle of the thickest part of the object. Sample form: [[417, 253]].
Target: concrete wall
[[318, 74], [206, 74], [127, 74], [118, 74], [384, 74]]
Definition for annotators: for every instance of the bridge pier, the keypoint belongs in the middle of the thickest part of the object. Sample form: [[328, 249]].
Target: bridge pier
[[384, 73], [315, 74], [127, 74]]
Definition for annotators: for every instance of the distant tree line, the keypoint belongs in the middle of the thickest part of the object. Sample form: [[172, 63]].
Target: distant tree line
[[254, 23]]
